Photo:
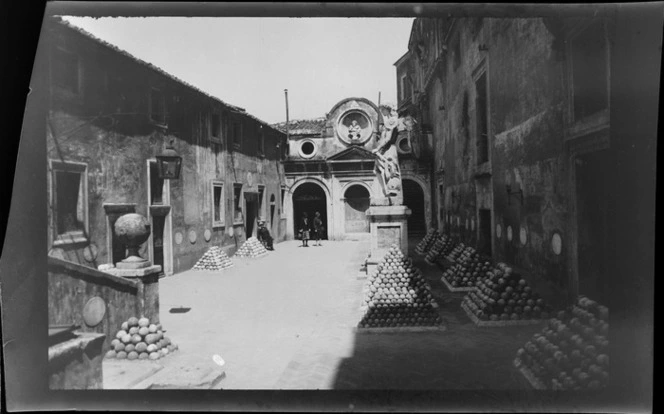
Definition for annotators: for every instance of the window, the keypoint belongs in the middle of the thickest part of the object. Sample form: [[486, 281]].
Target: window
[[156, 186], [218, 214], [237, 134], [65, 70], [273, 205], [216, 128], [482, 124], [589, 71], [261, 140], [69, 202], [402, 88], [157, 107], [237, 205]]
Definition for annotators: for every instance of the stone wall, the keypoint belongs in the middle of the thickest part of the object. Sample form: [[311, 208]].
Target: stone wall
[[71, 286], [107, 127]]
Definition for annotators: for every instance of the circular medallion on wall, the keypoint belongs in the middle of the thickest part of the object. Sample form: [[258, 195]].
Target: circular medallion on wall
[[557, 244], [467, 224], [90, 252], [192, 236], [207, 235], [509, 233], [499, 230], [178, 238], [259, 168], [308, 148], [94, 311], [472, 224], [229, 231], [354, 127], [250, 179], [458, 221], [523, 235]]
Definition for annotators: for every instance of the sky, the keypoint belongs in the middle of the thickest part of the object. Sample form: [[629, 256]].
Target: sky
[[248, 62]]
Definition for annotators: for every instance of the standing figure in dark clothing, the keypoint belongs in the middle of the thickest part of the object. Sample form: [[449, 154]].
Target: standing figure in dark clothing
[[264, 236], [318, 228], [305, 228]]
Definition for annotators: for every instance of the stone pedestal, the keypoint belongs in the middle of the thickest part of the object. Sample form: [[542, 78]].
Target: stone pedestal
[[148, 289], [389, 226]]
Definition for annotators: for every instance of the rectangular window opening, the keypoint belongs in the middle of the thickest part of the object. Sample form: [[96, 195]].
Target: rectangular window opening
[[218, 204], [156, 186], [237, 202], [70, 209]]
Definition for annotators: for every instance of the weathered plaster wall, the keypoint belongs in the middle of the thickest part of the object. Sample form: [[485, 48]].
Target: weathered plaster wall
[[526, 98], [69, 290], [109, 130]]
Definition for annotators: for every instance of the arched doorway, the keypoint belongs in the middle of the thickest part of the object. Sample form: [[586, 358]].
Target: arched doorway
[[356, 199], [413, 198], [309, 198]]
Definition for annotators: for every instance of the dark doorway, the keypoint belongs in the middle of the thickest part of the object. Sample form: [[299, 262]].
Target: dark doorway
[[158, 240], [413, 198], [357, 202], [309, 198], [484, 242], [592, 209], [251, 210]]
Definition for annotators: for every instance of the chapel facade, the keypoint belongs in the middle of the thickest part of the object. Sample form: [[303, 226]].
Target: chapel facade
[[329, 168]]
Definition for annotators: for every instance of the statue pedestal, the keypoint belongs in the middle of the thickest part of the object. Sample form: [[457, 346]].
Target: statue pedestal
[[148, 289], [389, 225]]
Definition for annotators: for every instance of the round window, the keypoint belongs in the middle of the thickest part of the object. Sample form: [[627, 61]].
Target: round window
[[307, 149], [509, 233], [404, 145]]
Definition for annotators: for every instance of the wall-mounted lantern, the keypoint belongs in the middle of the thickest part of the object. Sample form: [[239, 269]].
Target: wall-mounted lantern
[[169, 163], [510, 193]]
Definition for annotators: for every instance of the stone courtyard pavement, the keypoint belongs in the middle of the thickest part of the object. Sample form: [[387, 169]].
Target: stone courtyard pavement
[[286, 321]]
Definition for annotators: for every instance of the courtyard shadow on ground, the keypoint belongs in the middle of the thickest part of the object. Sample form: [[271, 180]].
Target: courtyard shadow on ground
[[462, 357]]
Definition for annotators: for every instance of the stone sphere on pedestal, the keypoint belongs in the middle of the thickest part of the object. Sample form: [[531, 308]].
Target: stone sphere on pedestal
[[133, 230]]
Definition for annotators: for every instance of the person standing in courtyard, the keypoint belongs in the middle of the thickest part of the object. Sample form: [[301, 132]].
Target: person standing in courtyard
[[305, 228], [318, 228], [264, 236]]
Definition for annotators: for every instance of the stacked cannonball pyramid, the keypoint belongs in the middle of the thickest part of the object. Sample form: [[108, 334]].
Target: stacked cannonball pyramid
[[572, 351], [469, 268], [441, 246], [428, 240], [140, 339], [251, 248], [398, 296], [457, 252], [214, 259], [505, 296]]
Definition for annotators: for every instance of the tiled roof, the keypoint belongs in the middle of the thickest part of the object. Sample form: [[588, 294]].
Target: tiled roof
[[303, 126], [156, 69]]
